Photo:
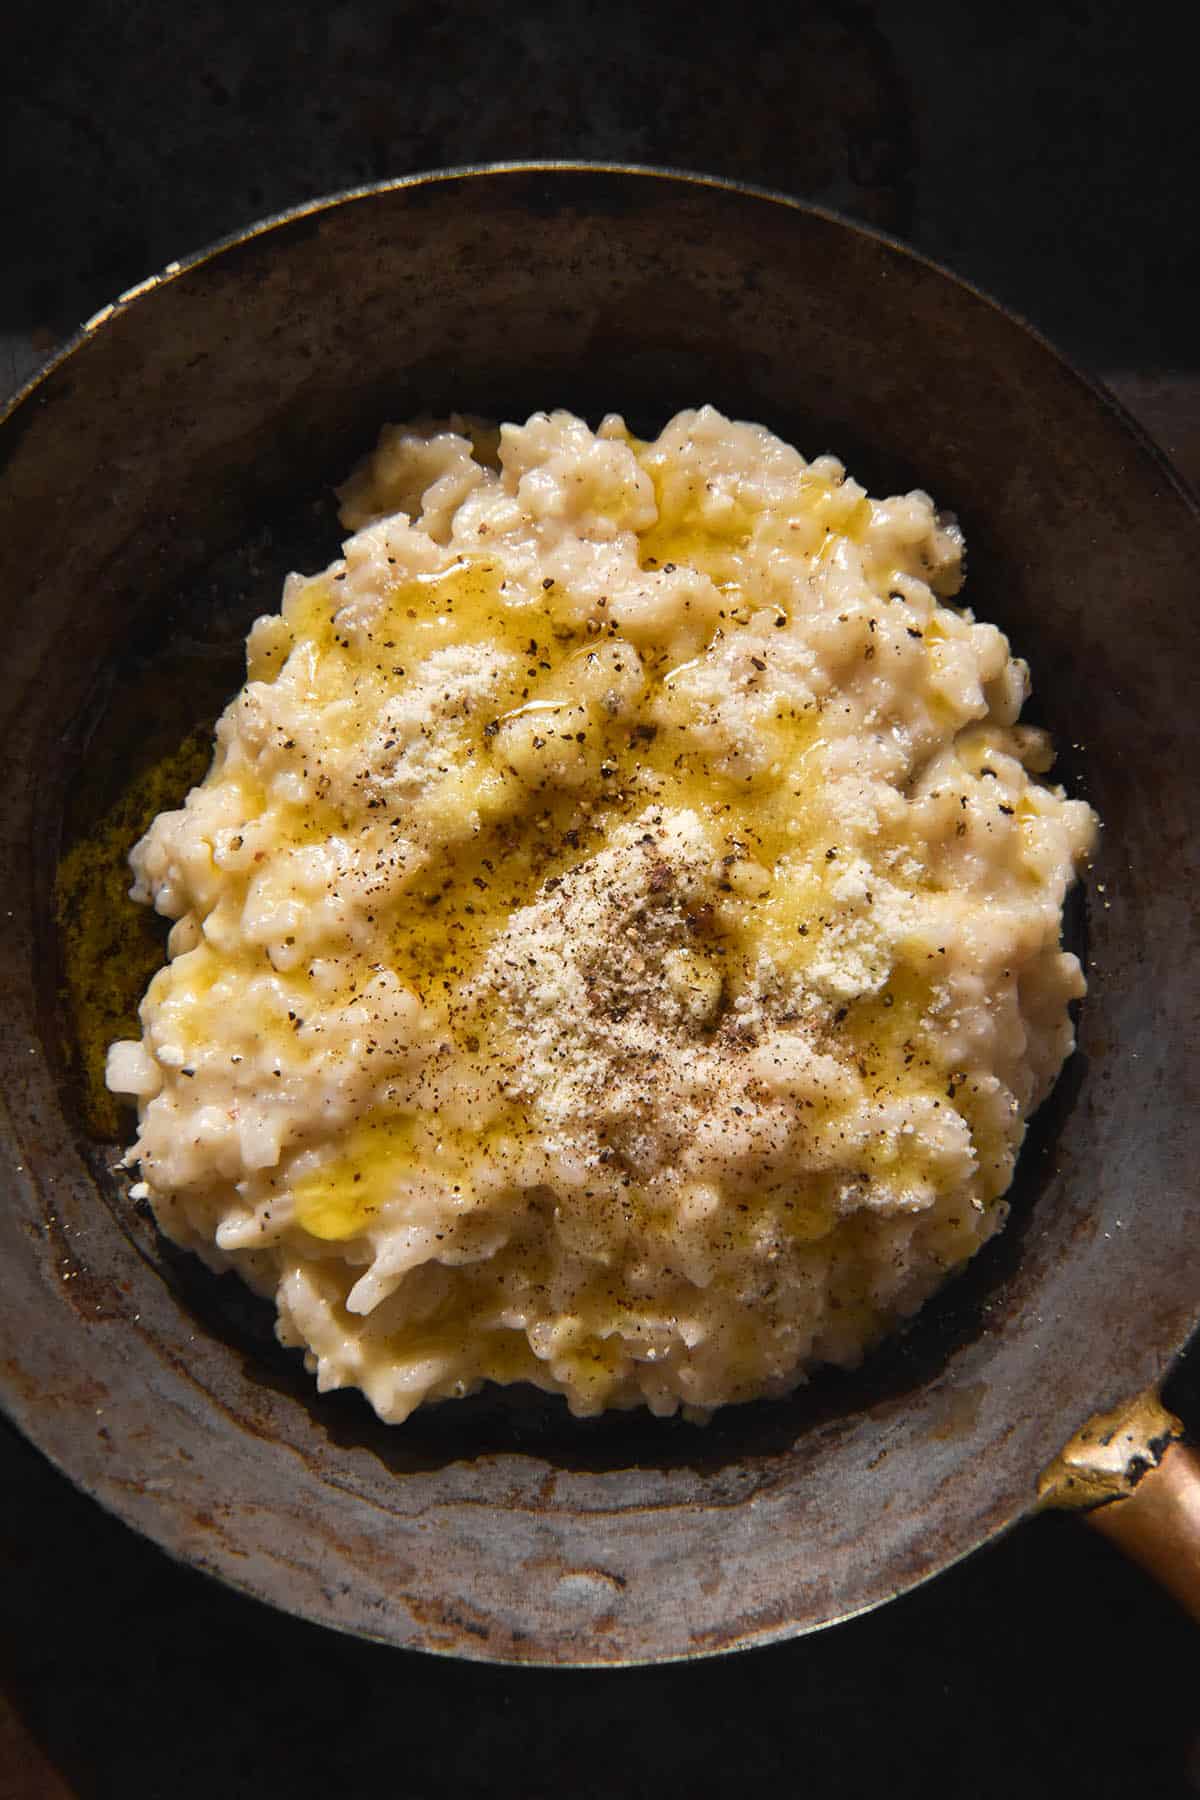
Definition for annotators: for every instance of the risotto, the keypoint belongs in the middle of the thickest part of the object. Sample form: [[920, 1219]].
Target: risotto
[[617, 943]]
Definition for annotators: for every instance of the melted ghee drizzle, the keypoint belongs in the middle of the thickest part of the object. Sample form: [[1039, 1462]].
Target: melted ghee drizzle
[[109, 947]]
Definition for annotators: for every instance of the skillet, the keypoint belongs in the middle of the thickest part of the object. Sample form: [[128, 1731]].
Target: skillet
[[158, 480]]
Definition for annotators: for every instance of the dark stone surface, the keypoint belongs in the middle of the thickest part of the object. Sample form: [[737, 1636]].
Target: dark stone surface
[[1045, 152], [1051, 156]]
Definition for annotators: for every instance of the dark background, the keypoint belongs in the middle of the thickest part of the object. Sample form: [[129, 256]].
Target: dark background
[[1049, 154]]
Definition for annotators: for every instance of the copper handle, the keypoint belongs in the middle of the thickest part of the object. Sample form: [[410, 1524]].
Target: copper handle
[[1138, 1484], [1159, 1524]]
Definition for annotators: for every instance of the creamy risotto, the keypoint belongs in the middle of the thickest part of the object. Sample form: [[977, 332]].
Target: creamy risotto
[[616, 946]]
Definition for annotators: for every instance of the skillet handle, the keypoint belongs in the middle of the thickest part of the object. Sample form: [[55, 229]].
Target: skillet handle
[[1158, 1525], [1138, 1484]]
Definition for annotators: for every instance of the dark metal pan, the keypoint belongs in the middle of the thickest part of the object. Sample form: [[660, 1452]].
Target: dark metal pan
[[157, 481]]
